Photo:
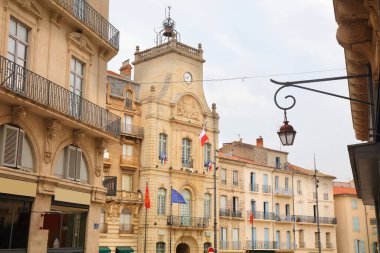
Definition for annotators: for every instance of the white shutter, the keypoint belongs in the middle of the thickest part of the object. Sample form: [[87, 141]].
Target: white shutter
[[20, 144], [70, 162], [9, 145], [78, 162]]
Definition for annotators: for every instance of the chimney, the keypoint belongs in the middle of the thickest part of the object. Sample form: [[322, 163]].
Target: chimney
[[126, 70], [260, 142]]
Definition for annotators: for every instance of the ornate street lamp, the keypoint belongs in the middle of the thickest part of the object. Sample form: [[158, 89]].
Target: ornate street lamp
[[286, 132]]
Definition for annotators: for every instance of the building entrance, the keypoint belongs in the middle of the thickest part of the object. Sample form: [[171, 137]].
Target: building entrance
[[182, 248]]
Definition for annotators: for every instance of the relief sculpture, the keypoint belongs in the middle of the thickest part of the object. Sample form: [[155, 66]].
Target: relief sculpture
[[189, 108]]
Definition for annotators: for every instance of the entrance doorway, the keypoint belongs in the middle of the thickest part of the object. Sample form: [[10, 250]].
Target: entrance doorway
[[182, 248]]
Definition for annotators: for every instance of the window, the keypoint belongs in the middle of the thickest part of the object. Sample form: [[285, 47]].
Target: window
[[287, 210], [162, 153], [359, 246], [288, 243], [325, 196], [328, 240], [127, 153], [354, 203], [206, 246], [127, 127], [299, 187], [125, 222], [316, 239], [14, 223], [265, 184], [278, 162], [301, 238], [356, 224], [223, 176], [18, 43], [223, 202], [276, 184], [278, 239], [235, 206], [102, 221], [76, 86], [185, 209], [128, 99], [15, 150], [161, 201], [235, 178], [186, 153], [235, 239], [71, 165], [266, 238], [207, 154], [207, 207], [160, 247], [126, 184], [253, 186], [266, 209], [253, 205], [223, 238], [286, 184], [277, 210]]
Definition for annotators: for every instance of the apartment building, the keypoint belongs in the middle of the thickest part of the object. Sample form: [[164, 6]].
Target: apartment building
[[357, 225], [281, 197], [54, 126], [119, 215]]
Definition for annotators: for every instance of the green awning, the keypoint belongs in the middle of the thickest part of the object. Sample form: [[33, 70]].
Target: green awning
[[124, 249], [104, 250]]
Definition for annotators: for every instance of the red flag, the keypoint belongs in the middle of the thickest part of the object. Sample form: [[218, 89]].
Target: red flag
[[203, 137], [251, 218], [147, 198]]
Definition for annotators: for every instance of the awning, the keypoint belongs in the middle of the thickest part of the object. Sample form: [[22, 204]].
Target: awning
[[124, 249], [104, 250]]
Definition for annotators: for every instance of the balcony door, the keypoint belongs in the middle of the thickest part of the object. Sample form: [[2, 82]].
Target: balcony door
[[186, 208], [253, 181], [76, 87], [266, 238], [127, 127], [79, 8]]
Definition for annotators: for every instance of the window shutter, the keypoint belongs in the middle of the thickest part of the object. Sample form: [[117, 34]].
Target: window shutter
[[9, 145], [70, 162], [78, 163], [21, 136]]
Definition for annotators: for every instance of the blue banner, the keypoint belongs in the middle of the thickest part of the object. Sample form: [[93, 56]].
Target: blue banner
[[177, 197]]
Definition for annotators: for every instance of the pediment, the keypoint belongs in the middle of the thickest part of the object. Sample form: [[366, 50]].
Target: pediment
[[189, 108], [81, 40], [32, 6]]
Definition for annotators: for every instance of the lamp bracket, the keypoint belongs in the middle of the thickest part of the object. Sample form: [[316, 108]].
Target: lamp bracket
[[294, 84]]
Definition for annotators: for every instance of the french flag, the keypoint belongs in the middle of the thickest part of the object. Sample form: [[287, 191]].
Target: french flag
[[208, 166], [203, 137]]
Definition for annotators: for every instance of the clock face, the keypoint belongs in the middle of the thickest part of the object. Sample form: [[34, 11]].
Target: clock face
[[188, 77]]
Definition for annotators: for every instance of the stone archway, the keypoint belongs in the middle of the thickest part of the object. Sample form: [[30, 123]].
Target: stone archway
[[182, 248]]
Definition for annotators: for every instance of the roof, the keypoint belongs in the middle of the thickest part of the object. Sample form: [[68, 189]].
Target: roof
[[112, 73], [340, 190], [307, 171]]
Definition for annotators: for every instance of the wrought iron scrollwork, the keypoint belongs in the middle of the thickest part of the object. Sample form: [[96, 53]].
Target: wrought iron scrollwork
[[293, 99]]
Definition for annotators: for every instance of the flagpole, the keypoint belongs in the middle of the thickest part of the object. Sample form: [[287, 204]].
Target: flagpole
[[171, 220], [146, 218], [253, 242]]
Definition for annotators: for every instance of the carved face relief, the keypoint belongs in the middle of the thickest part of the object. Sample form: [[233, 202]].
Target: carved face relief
[[189, 108]]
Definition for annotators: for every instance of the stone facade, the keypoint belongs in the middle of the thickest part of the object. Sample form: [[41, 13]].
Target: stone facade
[[52, 109]]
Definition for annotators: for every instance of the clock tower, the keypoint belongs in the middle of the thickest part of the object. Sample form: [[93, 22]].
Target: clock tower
[[174, 112]]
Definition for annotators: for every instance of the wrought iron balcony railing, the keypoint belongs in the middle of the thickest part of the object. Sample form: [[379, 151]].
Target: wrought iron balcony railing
[[236, 214], [110, 183], [285, 218], [129, 129], [236, 245], [313, 219], [254, 187], [126, 228], [261, 245], [283, 191], [43, 92], [262, 215], [188, 221], [224, 212], [267, 188], [92, 19], [223, 245]]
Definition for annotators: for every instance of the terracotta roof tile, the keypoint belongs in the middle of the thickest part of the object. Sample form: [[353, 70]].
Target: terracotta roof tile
[[110, 72], [340, 190]]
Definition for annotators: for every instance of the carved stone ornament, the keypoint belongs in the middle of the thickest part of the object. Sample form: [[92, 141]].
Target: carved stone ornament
[[31, 6], [53, 129], [81, 40], [189, 108], [78, 137], [18, 114], [56, 18], [101, 145]]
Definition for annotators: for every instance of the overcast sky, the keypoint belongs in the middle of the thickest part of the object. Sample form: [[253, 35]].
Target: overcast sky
[[254, 38]]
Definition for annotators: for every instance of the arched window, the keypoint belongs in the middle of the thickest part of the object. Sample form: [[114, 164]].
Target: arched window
[[71, 165], [160, 247], [161, 201], [186, 208], [128, 99], [162, 152], [15, 148], [186, 153], [125, 222]]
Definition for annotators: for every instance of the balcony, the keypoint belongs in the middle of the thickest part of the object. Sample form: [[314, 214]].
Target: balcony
[[262, 215], [285, 218], [132, 130], [254, 187], [88, 16], [236, 214], [267, 188], [126, 228], [223, 245], [129, 161], [128, 103], [46, 94], [110, 183], [236, 245], [126, 197], [285, 192], [261, 245], [224, 212], [312, 219], [187, 221]]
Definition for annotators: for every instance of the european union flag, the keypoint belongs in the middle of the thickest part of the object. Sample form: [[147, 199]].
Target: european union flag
[[177, 197]]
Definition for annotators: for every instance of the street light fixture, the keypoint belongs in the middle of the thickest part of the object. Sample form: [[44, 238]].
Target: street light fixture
[[286, 132]]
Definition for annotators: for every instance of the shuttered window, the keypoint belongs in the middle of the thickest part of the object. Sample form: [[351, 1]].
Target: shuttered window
[[73, 163], [12, 147]]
